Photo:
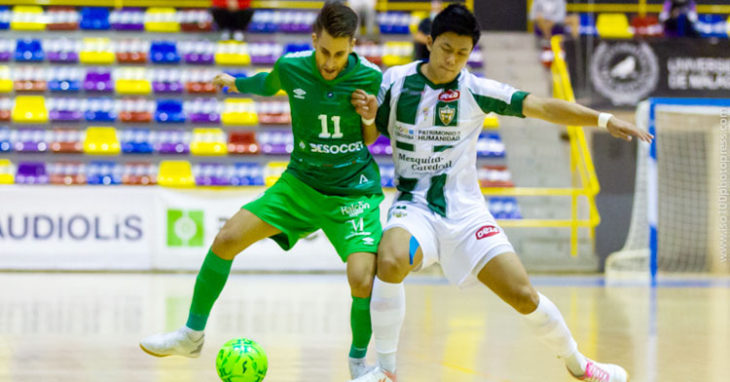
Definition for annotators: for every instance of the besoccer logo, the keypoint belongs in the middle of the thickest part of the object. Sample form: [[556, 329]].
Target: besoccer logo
[[185, 228]]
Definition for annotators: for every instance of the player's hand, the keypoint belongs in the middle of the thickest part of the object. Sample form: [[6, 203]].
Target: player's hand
[[625, 130], [365, 104], [225, 82]]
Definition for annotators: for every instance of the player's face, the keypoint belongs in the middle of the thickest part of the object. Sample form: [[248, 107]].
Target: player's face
[[449, 53], [331, 53]]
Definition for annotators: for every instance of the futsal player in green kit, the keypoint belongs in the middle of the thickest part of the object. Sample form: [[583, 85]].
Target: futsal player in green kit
[[332, 181]]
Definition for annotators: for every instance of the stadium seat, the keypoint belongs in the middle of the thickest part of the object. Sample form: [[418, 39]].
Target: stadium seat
[[169, 111], [131, 81], [397, 53], [66, 141], [127, 19], [6, 83], [646, 26], [31, 173], [173, 142], [276, 142], [136, 141], [167, 81], [491, 121], [490, 145], [64, 79], [247, 174], [101, 141], [273, 113], [27, 18], [100, 110], [67, 173], [613, 25], [139, 174], [504, 208], [104, 173], [212, 174], [371, 51], [242, 142], [195, 20], [273, 171], [6, 109], [588, 25], [710, 25], [131, 52], [6, 50], [136, 110], [264, 53], [7, 172], [63, 50], [199, 81], [31, 141], [96, 51], [381, 146], [208, 141], [231, 53], [198, 52], [30, 79], [387, 175], [5, 16], [98, 81], [203, 111], [394, 23], [297, 47], [6, 144], [239, 112], [175, 174], [164, 52], [62, 19], [29, 50], [30, 109], [161, 20], [263, 22], [65, 109], [494, 176], [95, 18], [295, 21]]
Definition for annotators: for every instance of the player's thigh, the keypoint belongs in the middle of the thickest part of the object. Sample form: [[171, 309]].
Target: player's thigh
[[506, 277], [352, 224], [239, 232], [360, 273]]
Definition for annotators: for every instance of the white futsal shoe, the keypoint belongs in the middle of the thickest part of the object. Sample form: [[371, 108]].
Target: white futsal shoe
[[377, 375], [184, 341], [603, 372], [358, 367]]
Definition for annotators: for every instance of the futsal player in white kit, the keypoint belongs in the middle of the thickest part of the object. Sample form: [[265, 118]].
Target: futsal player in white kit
[[433, 112]]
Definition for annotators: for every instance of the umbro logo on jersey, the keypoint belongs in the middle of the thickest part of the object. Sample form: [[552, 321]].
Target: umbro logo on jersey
[[449, 95], [299, 93], [486, 231]]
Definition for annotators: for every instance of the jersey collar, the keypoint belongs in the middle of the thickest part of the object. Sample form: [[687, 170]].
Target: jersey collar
[[449, 85], [352, 62]]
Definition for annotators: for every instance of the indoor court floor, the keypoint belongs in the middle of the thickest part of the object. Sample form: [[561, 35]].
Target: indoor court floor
[[75, 327]]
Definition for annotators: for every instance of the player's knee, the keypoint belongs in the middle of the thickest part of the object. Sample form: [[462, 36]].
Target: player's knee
[[361, 285], [225, 244], [525, 299], [392, 263]]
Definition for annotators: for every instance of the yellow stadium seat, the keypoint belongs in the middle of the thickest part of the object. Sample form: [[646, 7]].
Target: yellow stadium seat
[[133, 86], [491, 121], [97, 51], [273, 171], [7, 172], [613, 25], [208, 142], [162, 20], [101, 141], [27, 18], [175, 173], [6, 82], [30, 109], [397, 53], [239, 112], [232, 53], [416, 18]]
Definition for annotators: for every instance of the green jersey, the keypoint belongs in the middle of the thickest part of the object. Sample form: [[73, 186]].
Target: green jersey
[[329, 152]]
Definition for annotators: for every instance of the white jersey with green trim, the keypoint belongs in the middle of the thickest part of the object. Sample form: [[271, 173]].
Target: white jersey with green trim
[[434, 131]]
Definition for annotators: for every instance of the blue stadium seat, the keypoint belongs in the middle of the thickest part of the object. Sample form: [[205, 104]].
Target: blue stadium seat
[[95, 18], [709, 25], [136, 141], [105, 173], [297, 47], [5, 144], [5, 15], [164, 52], [169, 111], [490, 145], [247, 174], [588, 25], [100, 110], [28, 50], [263, 22]]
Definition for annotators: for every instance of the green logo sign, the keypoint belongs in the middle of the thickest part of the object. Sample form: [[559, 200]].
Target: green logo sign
[[185, 228]]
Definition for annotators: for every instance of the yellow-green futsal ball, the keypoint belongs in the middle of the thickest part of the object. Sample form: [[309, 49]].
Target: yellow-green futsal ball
[[241, 360]]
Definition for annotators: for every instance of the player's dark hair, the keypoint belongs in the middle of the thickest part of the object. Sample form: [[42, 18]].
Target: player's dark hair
[[337, 19], [456, 18]]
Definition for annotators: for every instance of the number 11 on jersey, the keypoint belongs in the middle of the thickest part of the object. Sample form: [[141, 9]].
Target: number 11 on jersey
[[325, 129]]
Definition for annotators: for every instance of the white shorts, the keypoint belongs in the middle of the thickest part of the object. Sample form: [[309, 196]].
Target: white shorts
[[462, 245]]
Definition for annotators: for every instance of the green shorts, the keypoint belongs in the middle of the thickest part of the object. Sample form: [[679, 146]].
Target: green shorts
[[351, 223]]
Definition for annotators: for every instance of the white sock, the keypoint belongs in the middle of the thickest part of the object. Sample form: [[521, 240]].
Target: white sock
[[387, 311], [550, 328]]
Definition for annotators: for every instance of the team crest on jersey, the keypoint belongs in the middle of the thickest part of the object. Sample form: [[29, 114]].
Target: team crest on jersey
[[446, 114], [449, 95]]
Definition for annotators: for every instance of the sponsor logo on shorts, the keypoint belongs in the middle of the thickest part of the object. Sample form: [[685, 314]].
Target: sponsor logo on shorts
[[354, 209], [486, 231], [449, 95], [336, 149]]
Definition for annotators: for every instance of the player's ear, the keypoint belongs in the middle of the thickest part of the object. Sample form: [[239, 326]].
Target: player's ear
[[429, 42], [314, 39], [352, 43]]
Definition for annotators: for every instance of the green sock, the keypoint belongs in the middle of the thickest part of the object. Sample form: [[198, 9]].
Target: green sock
[[361, 328], [208, 286]]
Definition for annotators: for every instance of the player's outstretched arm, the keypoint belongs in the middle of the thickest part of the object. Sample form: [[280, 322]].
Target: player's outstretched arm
[[263, 84], [567, 113], [225, 81], [367, 106]]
